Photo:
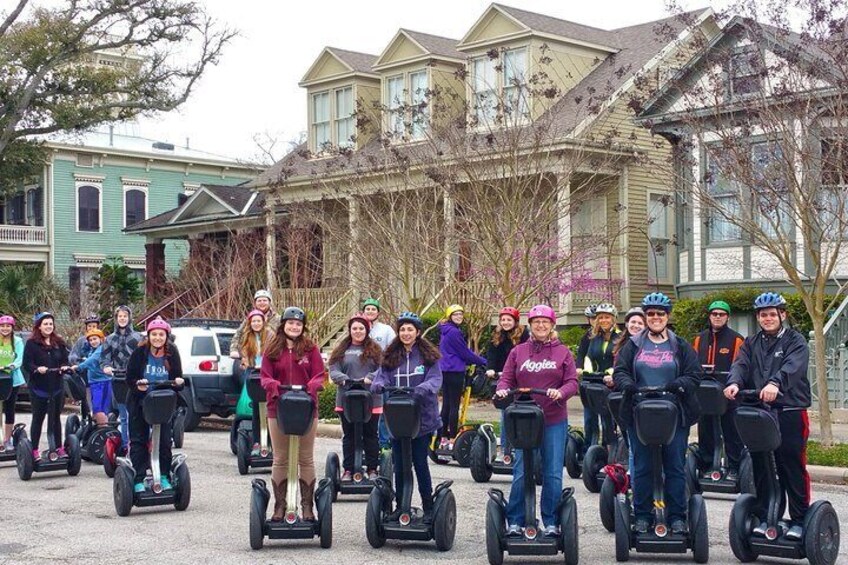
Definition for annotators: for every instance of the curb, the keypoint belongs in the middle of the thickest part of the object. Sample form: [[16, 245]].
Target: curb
[[329, 430]]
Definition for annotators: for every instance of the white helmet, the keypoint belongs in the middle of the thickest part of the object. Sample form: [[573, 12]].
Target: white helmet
[[262, 293], [606, 308]]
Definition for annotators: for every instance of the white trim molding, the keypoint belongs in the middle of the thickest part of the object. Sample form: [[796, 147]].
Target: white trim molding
[[94, 184], [96, 260], [129, 187]]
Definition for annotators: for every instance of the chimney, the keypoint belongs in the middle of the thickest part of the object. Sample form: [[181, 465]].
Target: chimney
[[111, 135]]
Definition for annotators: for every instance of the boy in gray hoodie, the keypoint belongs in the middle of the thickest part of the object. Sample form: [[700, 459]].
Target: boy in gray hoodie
[[115, 356]]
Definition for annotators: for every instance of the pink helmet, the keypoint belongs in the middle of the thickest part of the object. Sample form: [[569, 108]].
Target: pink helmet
[[542, 311], [158, 324], [255, 312], [7, 320]]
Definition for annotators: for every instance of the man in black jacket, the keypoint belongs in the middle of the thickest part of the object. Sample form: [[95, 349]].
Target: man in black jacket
[[775, 361]]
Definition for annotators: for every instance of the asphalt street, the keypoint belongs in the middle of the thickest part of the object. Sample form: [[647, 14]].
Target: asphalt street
[[56, 518]]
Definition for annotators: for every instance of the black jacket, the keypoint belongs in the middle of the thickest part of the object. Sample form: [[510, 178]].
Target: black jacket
[[138, 362], [37, 355], [718, 348], [780, 359], [685, 385], [583, 348], [602, 357], [496, 354]]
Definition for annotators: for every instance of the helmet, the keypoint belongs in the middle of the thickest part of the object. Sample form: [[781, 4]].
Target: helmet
[[589, 312], [452, 309], [359, 317], [7, 319], [255, 312], [606, 308], [510, 311], [158, 324], [636, 311], [262, 293], [98, 333], [719, 305], [542, 311], [371, 302], [91, 319], [770, 300], [656, 300], [294, 313], [41, 316], [410, 318]]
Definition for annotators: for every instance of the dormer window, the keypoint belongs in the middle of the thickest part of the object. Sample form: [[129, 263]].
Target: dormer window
[[744, 74], [344, 117], [321, 120], [406, 104], [500, 87], [332, 119]]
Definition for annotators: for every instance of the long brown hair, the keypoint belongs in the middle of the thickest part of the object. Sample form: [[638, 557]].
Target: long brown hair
[[248, 347], [370, 351], [395, 352], [277, 344], [514, 334], [55, 339]]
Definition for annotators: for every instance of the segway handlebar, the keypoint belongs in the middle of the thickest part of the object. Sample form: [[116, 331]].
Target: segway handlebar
[[593, 377], [709, 370], [407, 389], [60, 371], [502, 402], [351, 384], [751, 396]]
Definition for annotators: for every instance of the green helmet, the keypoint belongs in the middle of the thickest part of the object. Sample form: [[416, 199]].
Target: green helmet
[[371, 302], [719, 305]]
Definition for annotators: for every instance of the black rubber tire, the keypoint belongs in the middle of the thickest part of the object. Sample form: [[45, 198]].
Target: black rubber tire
[[72, 425], [178, 430], [444, 523], [572, 458], [374, 519], [462, 447], [596, 458], [569, 532], [738, 531], [747, 485], [622, 532], [691, 472], [243, 454], [700, 534], [234, 428], [24, 459], [72, 447], [481, 469], [326, 529], [192, 418], [182, 484], [333, 472], [821, 537], [96, 443], [122, 490], [606, 504], [257, 520], [495, 532]]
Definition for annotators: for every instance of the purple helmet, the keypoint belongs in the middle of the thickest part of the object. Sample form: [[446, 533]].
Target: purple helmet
[[542, 311]]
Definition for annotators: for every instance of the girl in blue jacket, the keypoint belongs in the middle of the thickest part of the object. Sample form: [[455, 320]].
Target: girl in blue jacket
[[11, 357], [99, 383]]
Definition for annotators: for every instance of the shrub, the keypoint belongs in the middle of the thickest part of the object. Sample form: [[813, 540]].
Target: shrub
[[836, 456], [327, 402]]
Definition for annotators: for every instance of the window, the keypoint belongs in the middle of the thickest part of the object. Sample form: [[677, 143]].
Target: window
[[344, 117], [88, 208], [744, 74], [135, 206], [769, 193], [588, 232], [658, 236], [17, 210], [834, 179], [321, 120], [35, 207], [485, 89], [507, 92], [418, 99], [395, 101], [725, 199], [203, 345], [515, 83]]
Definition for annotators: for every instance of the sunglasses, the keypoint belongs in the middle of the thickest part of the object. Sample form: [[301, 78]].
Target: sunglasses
[[656, 314]]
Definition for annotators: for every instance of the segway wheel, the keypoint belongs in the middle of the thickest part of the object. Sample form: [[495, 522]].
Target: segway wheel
[[122, 490], [257, 520], [24, 459], [691, 471], [333, 473], [495, 532], [596, 458], [741, 525], [182, 484], [97, 443], [435, 458], [622, 531], [72, 425], [374, 519], [243, 454], [481, 469], [606, 504], [821, 539], [572, 451], [325, 518], [234, 434], [747, 485], [386, 465], [110, 454], [444, 523], [699, 532], [178, 428], [569, 531], [462, 447], [72, 447]]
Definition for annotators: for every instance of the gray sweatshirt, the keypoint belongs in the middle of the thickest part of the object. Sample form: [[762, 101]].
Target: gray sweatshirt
[[352, 368]]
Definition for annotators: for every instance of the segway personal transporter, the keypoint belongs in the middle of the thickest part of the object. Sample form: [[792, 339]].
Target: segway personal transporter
[[656, 417], [612, 446], [50, 460], [19, 431], [113, 448], [715, 478], [158, 406], [574, 452], [244, 444], [403, 418], [92, 437], [616, 477], [357, 404], [525, 428], [459, 447], [295, 411], [756, 526]]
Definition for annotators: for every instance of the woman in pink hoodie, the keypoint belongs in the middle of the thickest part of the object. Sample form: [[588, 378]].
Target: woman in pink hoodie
[[541, 362]]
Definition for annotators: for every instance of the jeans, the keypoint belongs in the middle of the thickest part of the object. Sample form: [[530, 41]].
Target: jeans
[[420, 452], [591, 429], [504, 442], [553, 452], [641, 475], [123, 417], [382, 429]]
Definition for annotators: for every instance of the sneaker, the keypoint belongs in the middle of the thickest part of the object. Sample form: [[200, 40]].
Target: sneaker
[[347, 476], [795, 533], [450, 446], [678, 527], [372, 475], [61, 453], [641, 526], [514, 530], [443, 443], [761, 529], [551, 531], [138, 488], [254, 452], [166, 484], [36, 455]]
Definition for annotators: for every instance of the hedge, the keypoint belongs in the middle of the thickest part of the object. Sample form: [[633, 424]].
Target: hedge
[[836, 456]]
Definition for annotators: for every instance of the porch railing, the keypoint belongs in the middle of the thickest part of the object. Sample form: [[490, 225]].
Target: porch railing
[[836, 359], [329, 307], [23, 235]]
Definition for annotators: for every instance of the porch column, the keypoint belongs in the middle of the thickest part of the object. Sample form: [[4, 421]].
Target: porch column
[[354, 277], [623, 241], [154, 260], [450, 234], [563, 202], [270, 247]]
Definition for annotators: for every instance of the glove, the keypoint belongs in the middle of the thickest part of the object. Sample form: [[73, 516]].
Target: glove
[[629, 389]]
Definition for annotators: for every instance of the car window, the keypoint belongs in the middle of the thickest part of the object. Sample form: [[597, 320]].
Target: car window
[[224, 340], [203, 345]]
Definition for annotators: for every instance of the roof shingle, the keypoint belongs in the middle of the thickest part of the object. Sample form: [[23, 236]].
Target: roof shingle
[[359, 62]]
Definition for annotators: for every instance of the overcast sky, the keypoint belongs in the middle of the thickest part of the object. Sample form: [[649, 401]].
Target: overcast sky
[[254, 88]]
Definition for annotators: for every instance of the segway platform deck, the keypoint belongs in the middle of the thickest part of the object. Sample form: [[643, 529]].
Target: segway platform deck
[[150, 498], [652, 543], [542, 545], [46, 465], [353, 487], [781, 547], [301, 529]]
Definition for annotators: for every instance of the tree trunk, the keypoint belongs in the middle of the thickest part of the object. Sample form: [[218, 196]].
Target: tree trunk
[[821, 382]]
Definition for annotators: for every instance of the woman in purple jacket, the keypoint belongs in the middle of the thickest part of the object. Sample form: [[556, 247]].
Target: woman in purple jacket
[[541, 362], [456, 357]]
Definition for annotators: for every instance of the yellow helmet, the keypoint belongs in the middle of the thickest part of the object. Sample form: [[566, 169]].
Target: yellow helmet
[[452, 309]]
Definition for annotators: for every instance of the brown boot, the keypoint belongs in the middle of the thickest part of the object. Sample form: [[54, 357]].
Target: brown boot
[[307, 494], [279, 500]]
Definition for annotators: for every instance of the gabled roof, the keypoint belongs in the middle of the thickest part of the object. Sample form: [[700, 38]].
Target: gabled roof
[[358, 62], [418, 46], [350, 63], [436, 44]]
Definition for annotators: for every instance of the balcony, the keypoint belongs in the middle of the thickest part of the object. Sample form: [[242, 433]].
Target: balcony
[[23, 235]]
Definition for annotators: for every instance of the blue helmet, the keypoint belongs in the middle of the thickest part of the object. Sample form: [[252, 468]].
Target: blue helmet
[[769, 300], [410, 318], [40, 316], [657, 300]]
